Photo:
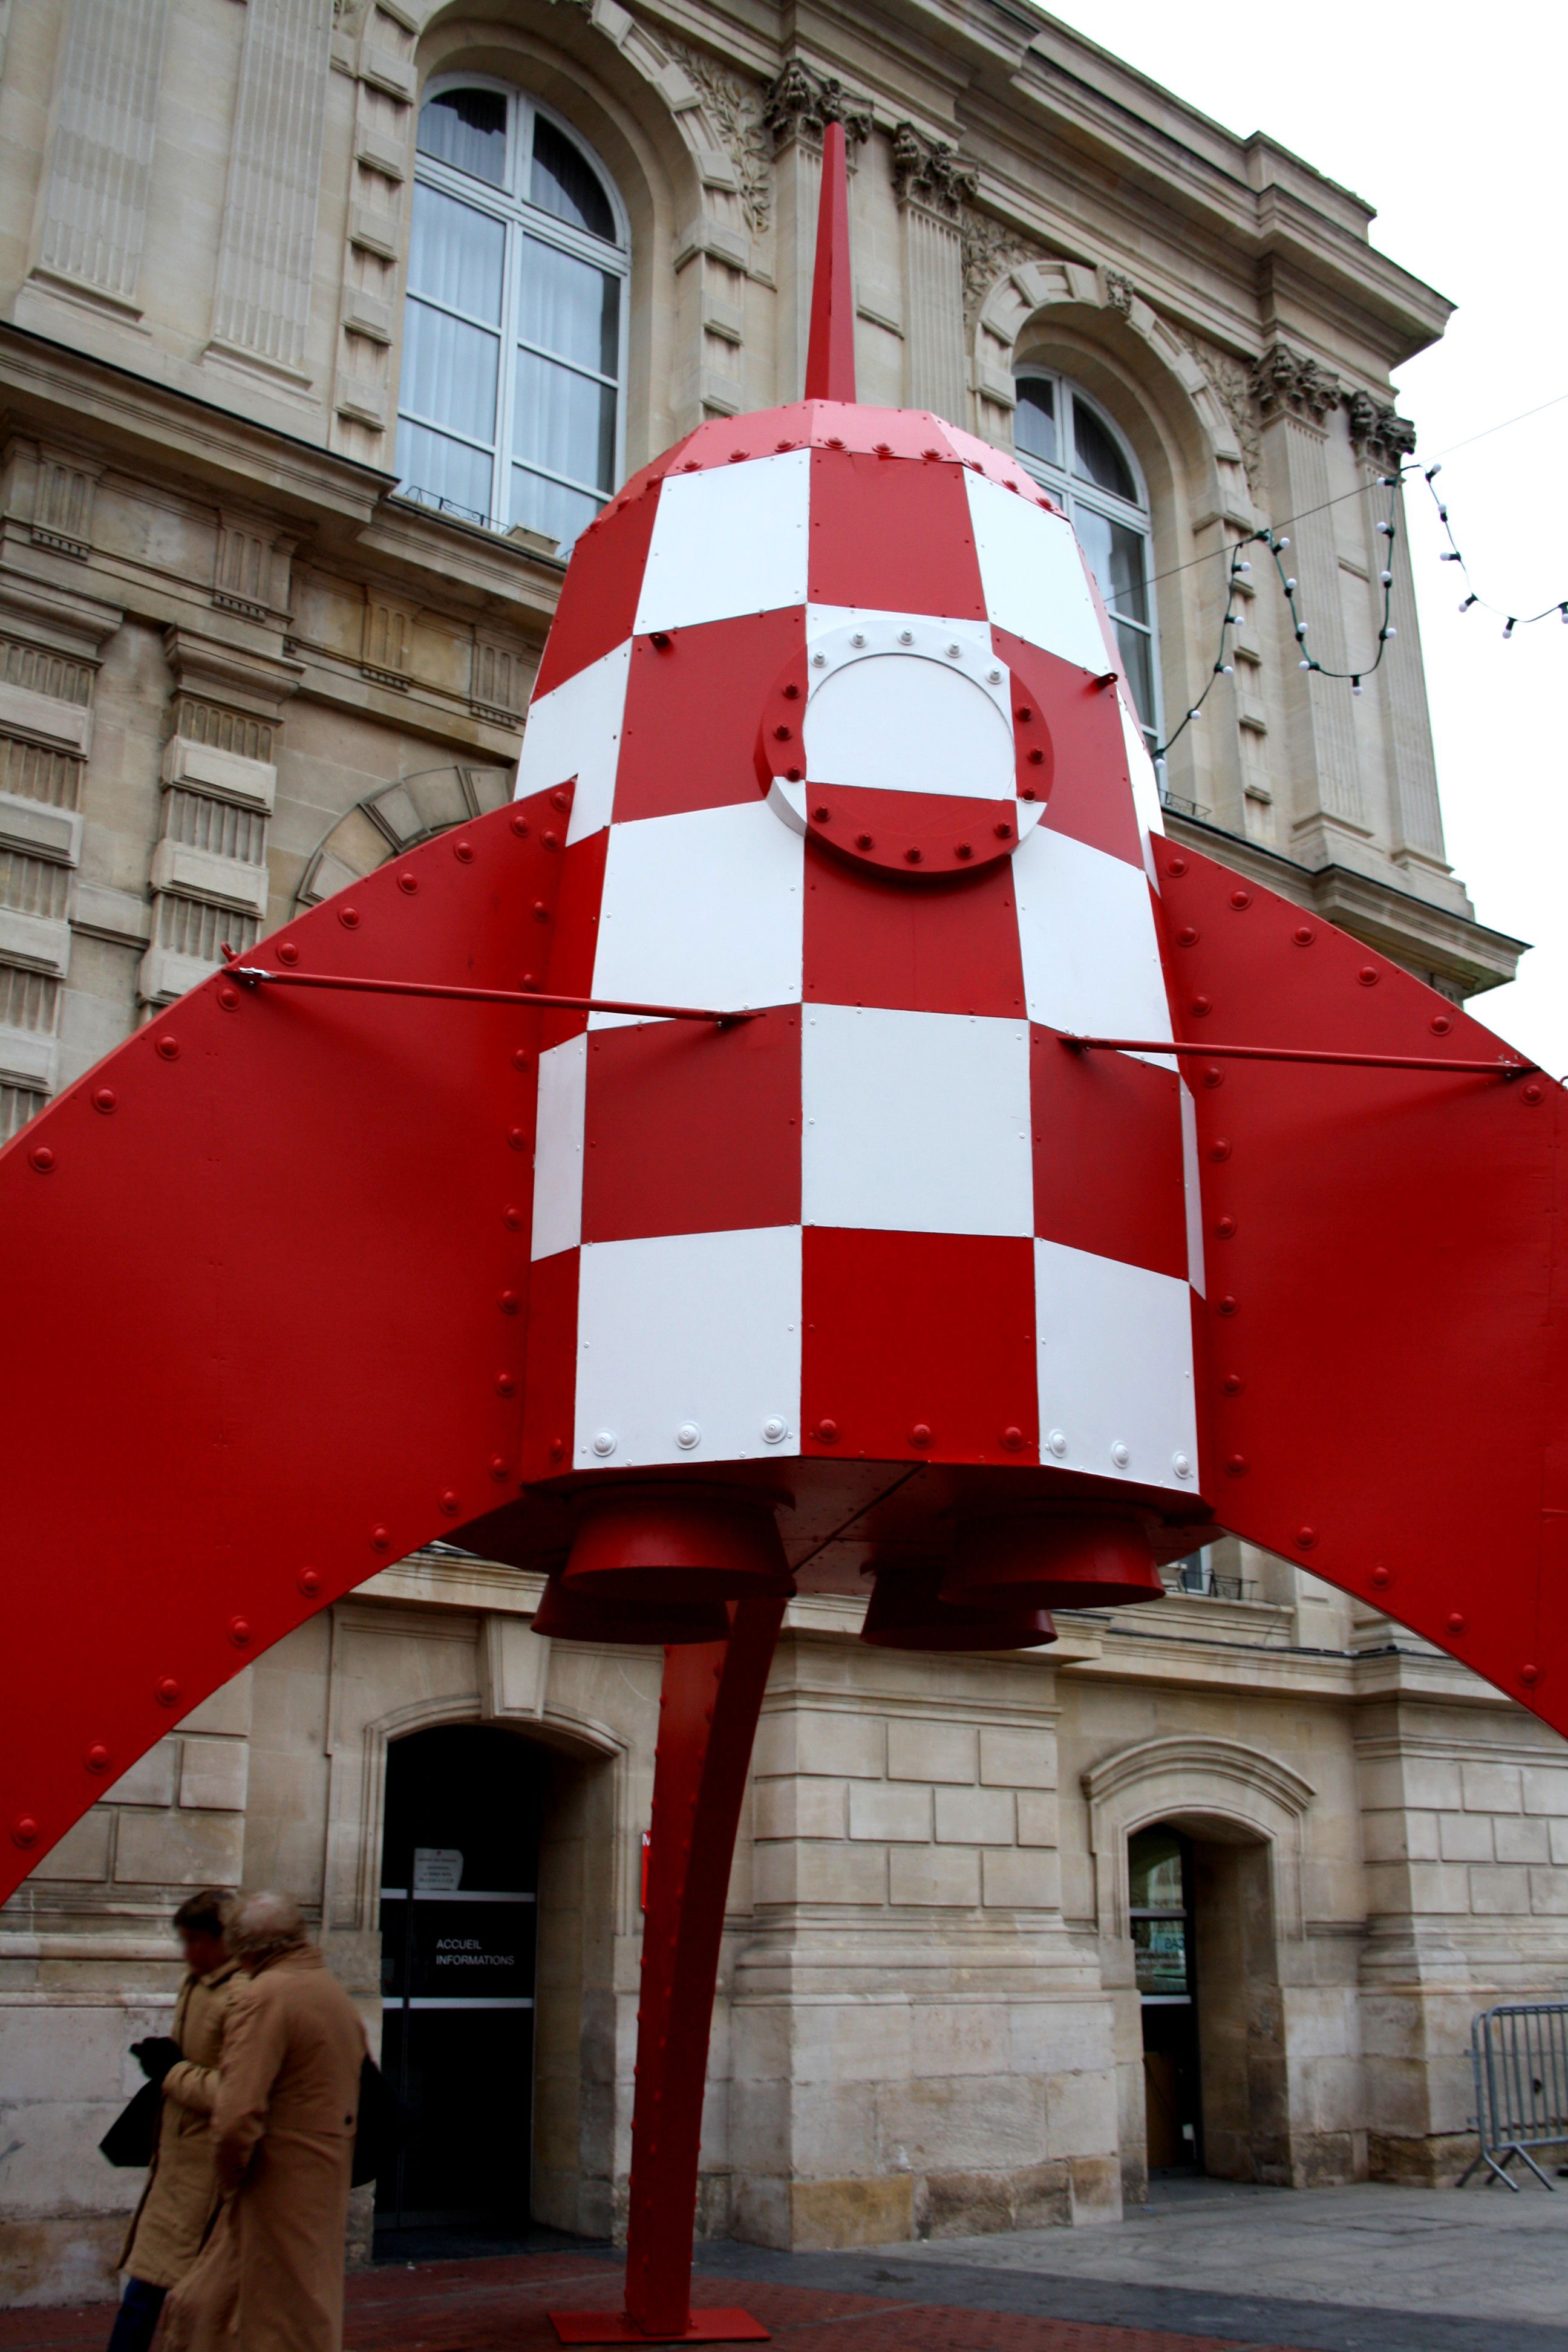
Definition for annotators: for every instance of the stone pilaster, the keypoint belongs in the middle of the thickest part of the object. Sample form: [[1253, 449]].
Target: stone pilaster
[[267, 250], [931, 186], [99, 164]]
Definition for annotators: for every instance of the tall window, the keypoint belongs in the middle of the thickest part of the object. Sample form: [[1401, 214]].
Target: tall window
[[1073, 450], [514, 328]]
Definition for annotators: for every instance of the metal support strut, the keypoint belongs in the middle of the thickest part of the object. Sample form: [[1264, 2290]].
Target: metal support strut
[[711, 1695]]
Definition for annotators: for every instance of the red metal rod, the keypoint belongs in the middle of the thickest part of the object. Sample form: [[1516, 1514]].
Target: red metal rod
[[252, 974], [1298, 1054]]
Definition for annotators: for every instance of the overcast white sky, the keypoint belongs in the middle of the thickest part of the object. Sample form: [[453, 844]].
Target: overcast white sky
[[1449, 120]]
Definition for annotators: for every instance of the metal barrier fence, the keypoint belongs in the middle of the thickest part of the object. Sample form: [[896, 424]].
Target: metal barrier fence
[[1520, 2056]]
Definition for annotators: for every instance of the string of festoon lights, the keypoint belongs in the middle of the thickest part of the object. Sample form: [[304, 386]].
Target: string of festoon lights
[[1278, 548]]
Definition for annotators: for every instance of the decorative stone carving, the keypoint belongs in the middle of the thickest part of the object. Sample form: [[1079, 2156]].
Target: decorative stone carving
[[1378, 430], [738, 112], [990, 250], [64, 491], [1119, 291], [395, 819], [929, 171], [800, 102], [1283, 380], [1232, 385]]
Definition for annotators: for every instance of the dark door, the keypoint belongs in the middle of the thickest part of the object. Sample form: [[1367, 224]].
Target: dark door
[[458, 1907], [1160, 1876]]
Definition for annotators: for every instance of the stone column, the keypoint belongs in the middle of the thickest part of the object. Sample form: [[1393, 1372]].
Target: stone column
[[100, 159], [931, 186], [267, 252]]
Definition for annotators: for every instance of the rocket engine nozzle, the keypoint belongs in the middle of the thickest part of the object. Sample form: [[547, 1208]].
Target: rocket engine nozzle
[[1045, 1559], [685, 1547]]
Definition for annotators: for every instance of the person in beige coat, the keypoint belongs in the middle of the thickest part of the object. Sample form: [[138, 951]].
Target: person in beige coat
[[170, 2224], [271, 2277]]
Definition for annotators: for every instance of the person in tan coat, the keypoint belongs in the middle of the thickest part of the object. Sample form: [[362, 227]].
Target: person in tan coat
[[170, 2224], [271, 2277]]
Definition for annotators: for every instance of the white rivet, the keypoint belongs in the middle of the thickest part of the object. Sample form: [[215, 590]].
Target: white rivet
[[1120, 1455], [819, 661], [993, 677], [858, 638], [604, 1441], [688, 1435], [1181, 1466], [773, 1429], [1058, 1441], [953, 652], [906, 636]]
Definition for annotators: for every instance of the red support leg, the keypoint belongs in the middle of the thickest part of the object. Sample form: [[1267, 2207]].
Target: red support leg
[[711, 1698]]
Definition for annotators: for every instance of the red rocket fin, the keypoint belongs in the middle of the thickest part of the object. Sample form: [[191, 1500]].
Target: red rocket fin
[[265, 1271], [830, 356], [1387, 1283]]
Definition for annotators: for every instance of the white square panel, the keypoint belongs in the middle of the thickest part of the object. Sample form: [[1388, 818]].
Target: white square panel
[[1145, 785], [575, 731], [1193, 1192], [1116, 1368], [1032, 575], [915, 1122], [701, 908], [558, 1147], [693, 1336], [729, 540], [1086, 926]]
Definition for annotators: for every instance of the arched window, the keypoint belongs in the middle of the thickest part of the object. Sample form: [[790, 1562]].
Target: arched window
[[514, 327], [1073, 450]]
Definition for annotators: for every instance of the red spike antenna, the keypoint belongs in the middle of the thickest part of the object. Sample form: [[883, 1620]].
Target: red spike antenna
[[830, 356]]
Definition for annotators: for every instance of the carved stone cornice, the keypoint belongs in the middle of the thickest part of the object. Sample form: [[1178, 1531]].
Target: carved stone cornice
[[1378, 430], [1283, 382], [929, 171], [800, 102]]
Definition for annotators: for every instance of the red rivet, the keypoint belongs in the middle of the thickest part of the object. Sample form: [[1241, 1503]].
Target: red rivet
[[1381, 1576], [1533, 1091], [1241, 901], [309, 1581], [348, 917], [1233, 1383], [1036, 758], [540, 912], [450, 1503], [792, 694], [1304, 934], [1225, 1228], [783, 734], [1237, 1466], [561, 798], [911, 856], [1029, 792], [512, 1217], [1306, 1538], [498, 1466], [287, 952], [168, 1047], [795, 775], [1188, 935], [921, 1433], [519, 1138], [520, 826], [105, 1099], [1004, 832], [1220, 1148], [166, 1691], [24, 1831], [826, 1431], [380, 1539], [96, 1757], [1455, 1623], [506, 1384], [523, 1059], [928, 453], [737, 457], [509, 1302], [1529, 1673], [1368, 976], [1202, 1007], [557, 1449], [1177, 866], [865, 841], [964, 850], [820, 815], [239, 1633], [1229, 1305], [551, 840], [408, 882], [228, 996], [463, 848], [42, 1159], [1439, 1025], [529, 979], [834, 441], [1213, 1075], [1025, 713]]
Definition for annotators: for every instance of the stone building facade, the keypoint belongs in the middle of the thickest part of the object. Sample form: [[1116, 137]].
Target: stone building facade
[[254, 638]]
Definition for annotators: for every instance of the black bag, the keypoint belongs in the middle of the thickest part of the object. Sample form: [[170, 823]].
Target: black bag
[[382, 2125], [133, 2135]]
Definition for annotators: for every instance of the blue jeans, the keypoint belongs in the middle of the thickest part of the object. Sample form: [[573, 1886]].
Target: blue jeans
[[137, 2317]]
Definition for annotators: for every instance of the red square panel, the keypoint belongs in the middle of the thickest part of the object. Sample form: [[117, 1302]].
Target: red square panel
[[550, 1398], [947, 945], [558, 955], [1089, 792], [691, 1128], [599, 602], [694, 706], [1107, 1155], [911, 1332], [892, 535]]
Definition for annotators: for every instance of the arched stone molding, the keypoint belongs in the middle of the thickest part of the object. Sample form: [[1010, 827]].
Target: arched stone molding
[[1218, 1789], [398, 817]]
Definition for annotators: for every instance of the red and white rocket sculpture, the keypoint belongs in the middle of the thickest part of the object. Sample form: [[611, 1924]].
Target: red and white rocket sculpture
[[821, 1128]]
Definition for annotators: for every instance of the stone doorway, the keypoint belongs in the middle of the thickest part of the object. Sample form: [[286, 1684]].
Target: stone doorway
[[1165, 1959]]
